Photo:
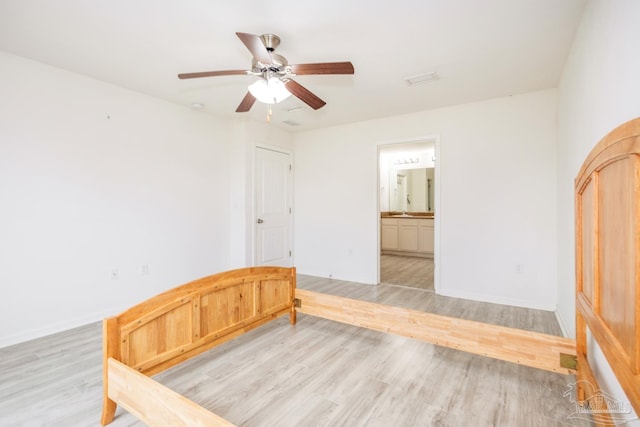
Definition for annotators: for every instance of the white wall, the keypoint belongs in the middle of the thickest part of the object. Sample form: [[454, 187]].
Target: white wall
[[93, 178], [599, 90], [497, 208]]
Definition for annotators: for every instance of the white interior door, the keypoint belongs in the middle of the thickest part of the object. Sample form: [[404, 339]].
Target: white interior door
[[273, 207]]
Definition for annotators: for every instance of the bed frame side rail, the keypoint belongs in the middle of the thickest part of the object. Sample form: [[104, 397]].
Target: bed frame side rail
[[158, 405], [527, 348]]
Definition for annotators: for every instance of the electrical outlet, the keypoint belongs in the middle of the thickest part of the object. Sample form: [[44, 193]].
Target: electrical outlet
[[144, 269], [114, 274], [519, 268]]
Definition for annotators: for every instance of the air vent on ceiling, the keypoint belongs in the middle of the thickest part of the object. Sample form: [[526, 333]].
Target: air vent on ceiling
[[422, 79], [291, 123]]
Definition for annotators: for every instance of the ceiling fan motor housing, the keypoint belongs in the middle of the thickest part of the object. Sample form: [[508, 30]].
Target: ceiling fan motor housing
[[278, 63], [270, 41]]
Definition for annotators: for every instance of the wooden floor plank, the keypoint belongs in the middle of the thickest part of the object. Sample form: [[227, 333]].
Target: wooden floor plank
[[411, 271]]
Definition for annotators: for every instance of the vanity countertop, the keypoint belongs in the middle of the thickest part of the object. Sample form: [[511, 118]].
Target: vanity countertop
[[420, 215]]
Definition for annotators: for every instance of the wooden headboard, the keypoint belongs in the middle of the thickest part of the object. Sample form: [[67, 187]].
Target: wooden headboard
[[608, 256]]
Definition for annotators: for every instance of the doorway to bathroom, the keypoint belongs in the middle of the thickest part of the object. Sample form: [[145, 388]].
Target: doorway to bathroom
[[407, 213]]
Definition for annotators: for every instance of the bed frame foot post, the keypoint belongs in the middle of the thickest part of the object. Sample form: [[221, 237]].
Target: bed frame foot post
[[108, 411], [292, 314], [295, 302], [581, 398], [581, 351], [110, 348]]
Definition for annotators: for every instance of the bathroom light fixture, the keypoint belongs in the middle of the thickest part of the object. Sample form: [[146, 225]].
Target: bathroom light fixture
[[406, 161], [269, 90]]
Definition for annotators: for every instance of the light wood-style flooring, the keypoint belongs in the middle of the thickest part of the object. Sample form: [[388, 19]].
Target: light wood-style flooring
[[316, 373], [415, 272]]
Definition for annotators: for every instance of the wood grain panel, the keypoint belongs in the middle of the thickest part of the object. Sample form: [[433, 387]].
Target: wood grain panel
[[164, 334], [275, 295], [586, 250], [228, 307], [617, 252]]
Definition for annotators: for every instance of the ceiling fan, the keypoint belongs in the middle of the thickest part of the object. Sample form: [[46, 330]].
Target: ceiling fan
[[275, 72]]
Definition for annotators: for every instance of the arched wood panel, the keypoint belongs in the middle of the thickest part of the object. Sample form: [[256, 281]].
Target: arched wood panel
[[608, 255]]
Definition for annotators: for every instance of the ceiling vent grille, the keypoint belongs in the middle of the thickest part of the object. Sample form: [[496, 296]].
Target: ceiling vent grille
[[422, 79], [291, 123]]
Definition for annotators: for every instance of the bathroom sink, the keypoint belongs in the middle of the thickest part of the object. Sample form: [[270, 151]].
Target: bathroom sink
[[402, 216]]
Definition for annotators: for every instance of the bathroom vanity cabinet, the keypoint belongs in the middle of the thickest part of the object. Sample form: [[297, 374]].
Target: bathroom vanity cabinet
[[407, 236]]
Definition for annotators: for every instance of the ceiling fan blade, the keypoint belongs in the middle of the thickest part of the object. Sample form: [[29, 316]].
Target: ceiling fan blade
[[256, 47], [323, 68], [304, 94], [211, 74], [246, 103]]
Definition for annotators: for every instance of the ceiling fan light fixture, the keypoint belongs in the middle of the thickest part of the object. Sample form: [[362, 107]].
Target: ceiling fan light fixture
[[269, 91]]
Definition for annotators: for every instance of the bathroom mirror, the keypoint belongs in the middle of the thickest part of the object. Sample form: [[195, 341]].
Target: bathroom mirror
[[411, 190], [406, 177]]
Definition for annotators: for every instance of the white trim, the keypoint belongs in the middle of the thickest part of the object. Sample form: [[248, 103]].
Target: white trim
[[563, 327], [437, 209], [55, 328], [515, 302]]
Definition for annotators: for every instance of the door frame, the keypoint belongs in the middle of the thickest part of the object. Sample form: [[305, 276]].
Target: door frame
[[437, 206], [254, 199]]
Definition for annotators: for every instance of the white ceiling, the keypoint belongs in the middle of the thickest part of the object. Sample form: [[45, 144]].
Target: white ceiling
[[480, 49]]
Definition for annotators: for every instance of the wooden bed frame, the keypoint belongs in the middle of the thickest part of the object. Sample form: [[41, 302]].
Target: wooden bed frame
[[177, 325], [185, 321]]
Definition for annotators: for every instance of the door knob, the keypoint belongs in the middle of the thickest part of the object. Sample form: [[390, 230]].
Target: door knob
[[260, 221]]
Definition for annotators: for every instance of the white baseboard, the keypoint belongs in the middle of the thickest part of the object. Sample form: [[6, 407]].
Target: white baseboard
[[54, 328], [334, 276], [495, 299], [563, 326]]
